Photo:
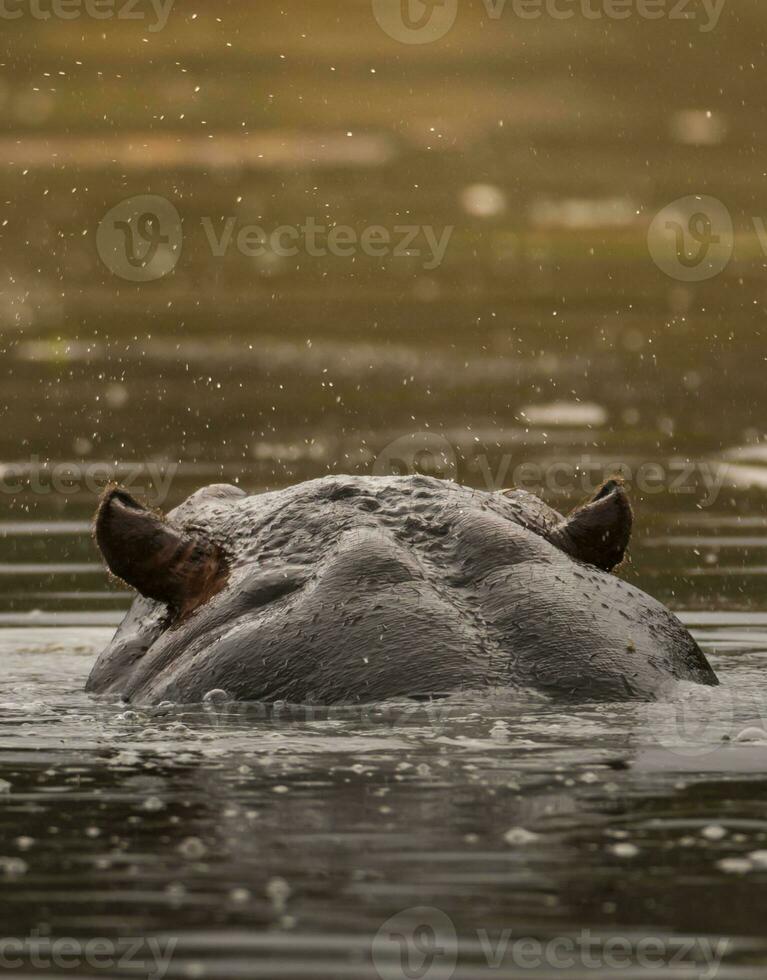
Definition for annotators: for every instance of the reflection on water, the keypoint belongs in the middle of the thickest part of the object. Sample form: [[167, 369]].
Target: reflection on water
[[251, 840]]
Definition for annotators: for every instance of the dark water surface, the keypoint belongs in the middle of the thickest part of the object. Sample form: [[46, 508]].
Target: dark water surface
[[254, 841], [272, 841]]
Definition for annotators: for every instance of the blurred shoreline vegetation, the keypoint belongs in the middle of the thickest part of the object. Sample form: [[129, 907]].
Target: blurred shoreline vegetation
[[275, 113]]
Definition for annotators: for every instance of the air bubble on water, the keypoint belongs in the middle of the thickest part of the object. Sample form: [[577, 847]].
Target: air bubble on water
[[751, 734], [25, 843], [192, 847], [625, 849], [93, 832], [714, 832], [176, 892], [278, 892], [125, 759], [239, 896], [129, 716], [216, 696], [153, 804], [520, 836], [13, 867], [179, 728], [5, 786], [738, 866], [500, 732]]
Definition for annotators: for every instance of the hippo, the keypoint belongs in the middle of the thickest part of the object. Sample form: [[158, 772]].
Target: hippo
[[355, 589]]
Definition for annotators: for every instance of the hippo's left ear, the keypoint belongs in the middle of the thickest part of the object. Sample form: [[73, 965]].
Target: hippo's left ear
[[598, 533], [161, 561]]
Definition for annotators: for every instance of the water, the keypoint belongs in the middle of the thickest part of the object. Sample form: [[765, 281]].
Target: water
[[485, 836], [260, 841], [279, 840]]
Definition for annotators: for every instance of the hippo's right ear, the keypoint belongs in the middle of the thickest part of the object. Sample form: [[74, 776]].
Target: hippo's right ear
[[598, 533], [160, 561]]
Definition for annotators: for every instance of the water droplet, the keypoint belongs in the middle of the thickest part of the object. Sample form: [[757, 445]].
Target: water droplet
[[12, 867], [192, 847], [714, 832], [519, 836]]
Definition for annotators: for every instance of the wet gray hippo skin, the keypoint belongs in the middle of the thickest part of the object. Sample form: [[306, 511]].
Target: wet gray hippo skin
[[358, 589]]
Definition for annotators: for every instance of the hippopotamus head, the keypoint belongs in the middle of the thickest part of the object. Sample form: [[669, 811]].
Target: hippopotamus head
[[359, 589]]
